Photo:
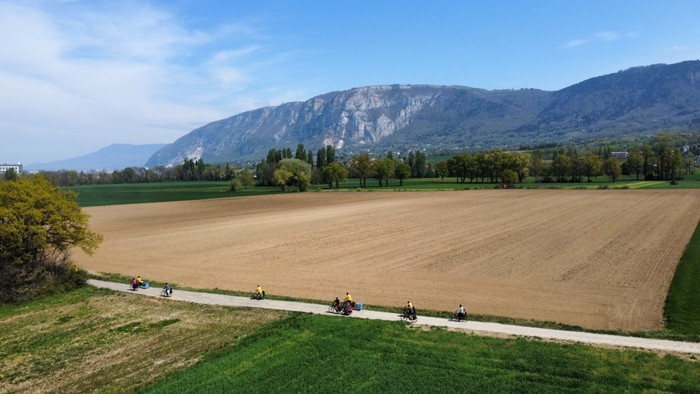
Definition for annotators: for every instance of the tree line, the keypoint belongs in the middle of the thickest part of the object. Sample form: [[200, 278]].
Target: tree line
[[658, 161], [661, 159], [188, 170]]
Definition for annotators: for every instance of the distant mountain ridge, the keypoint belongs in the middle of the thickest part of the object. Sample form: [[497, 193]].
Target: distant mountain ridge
[[636, 101], [112, 157]]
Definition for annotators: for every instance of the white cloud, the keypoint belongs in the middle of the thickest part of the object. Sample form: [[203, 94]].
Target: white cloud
[[574, 44], [129, 73], [603, 36]]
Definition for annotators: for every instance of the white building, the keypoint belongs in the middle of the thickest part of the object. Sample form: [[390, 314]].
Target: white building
[[622, 155], [5, 167]]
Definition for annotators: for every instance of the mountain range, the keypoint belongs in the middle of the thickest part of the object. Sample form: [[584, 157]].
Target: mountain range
[[634, 102], [113, 157]]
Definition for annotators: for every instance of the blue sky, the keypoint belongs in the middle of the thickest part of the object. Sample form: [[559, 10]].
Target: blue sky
[[76, 76]]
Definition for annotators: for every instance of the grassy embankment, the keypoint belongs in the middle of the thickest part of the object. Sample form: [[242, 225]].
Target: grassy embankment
[[96, 340], [96, 195]]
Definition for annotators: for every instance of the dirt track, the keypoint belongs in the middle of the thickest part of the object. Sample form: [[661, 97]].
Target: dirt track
[[595, 258]]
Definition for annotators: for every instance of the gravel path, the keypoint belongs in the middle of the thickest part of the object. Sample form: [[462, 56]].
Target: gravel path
[[482, 328]]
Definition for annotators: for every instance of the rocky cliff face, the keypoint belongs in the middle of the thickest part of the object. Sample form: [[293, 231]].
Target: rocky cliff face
[[642, 99]]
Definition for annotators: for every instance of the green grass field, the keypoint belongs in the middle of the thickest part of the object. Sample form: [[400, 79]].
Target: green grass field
[[91, 340], [306, 353], [134, 193], [682, 311], [96, 195]]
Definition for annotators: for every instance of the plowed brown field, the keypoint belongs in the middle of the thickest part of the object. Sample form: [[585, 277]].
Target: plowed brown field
[[601, 259]]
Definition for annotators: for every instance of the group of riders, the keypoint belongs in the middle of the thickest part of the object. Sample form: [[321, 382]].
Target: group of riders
[[346, 307], [138, 283]]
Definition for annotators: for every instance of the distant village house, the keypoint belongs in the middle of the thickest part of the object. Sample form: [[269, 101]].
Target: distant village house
[[5, 167]]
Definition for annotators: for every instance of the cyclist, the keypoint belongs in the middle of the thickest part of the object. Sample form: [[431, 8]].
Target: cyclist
[[461, 313], [410, 311]]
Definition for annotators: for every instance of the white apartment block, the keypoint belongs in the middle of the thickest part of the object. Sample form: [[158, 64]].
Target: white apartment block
[[5, 167]]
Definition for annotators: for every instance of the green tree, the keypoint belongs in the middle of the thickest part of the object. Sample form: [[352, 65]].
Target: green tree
[[294, 172], [688, 164], [576, 165], [10, 174], [40, 224], [463, 166], [441, 168], [648, 162], [330, 154], [537, 165], [246, 178], [383, 169], [361, 167], [591, 165], [509, 177], [335, 173], [520, 163], [403, 171], [264, 173], [300, 153], [321, 158], [675, 164], [612, 168], [234, 184], [419, 165], [282, 177], [129, 175], [561, 167], [635, 162]]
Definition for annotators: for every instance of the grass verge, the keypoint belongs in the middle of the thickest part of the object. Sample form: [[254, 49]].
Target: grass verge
[[91, 340], [309, 353], [682, 311]]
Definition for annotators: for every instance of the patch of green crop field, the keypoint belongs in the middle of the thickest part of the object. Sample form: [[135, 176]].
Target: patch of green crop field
[[682, 311], [310, 353]]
